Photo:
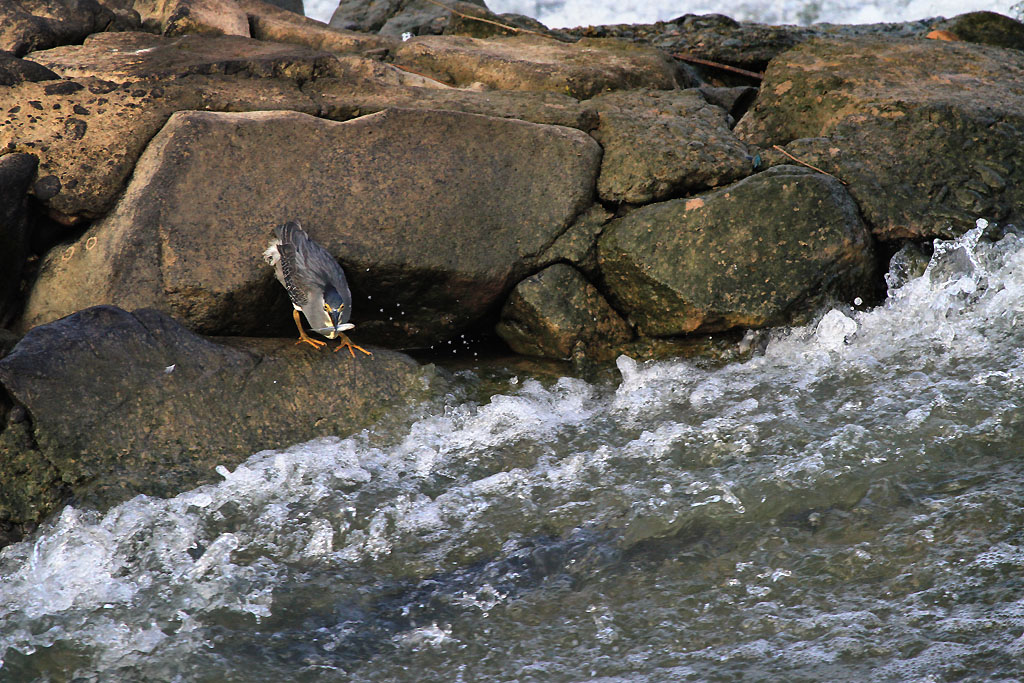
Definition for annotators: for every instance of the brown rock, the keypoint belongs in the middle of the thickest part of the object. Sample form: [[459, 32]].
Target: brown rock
[[527, 62], [429, 215], [659, 144], [27, 25], [181, 17], [132, 56], [270, 23], [88, 132], [558, 314], [374, 86], [759, 253], [927, 133]]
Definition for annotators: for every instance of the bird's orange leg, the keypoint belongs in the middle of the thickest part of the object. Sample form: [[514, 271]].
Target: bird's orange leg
[[303, 337], [347, 343]]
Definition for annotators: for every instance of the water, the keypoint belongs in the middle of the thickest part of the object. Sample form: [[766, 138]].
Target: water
[[568, 13], [847, 505]]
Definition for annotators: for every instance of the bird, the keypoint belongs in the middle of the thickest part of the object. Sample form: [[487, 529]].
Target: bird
[[315, 283]]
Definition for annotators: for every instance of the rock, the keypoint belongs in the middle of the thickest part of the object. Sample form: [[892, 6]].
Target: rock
[[660, 144], [745, 44], [27, 25], [133, 56], [578, 244], [428, 214], [374, 86], [270, 23], [416, 16], [14, 70], [558, 314], [758, 253], [735, 100], [293, 6], [528, 62], [182, 17], [88, 132], [477, 21], [17, 171], [172, 406], [927, 133], [987, 28]]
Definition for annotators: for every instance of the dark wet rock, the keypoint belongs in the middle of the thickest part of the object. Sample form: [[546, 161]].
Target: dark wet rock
[[14, 70], [157, 408], [394, 17], [927, 133], [17, 171], [748, 45], [27, 25], [476, 21], [987, 28], [558, 314], [761, 252], [430, 216], [528, 62], [660, 144]]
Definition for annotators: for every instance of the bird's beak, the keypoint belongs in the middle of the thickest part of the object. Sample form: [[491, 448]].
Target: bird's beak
[[338, 325]]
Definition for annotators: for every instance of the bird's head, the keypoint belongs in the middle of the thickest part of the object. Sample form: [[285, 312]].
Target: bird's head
[[336, 309]]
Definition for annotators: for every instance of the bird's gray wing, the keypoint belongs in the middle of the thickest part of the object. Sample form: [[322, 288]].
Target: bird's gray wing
[[299, 262]]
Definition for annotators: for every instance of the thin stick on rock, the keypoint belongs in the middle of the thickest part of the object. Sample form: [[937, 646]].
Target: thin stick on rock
[[514, 29], [716, 65], [804, 163]]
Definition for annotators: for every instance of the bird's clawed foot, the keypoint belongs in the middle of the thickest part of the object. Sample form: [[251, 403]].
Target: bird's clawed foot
[[346, 343], [315, 343]]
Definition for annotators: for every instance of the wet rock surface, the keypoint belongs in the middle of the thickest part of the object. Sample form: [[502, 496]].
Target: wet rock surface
[[755, 254], [659, 144], [558, 314], [432, 221], [171, 407], [926, 133]]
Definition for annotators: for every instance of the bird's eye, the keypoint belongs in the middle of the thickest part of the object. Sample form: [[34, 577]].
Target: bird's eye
[[327, 308]]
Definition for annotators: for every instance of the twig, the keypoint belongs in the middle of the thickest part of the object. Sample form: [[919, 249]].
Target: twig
[[776, 147], [514, 29], [716, 65]]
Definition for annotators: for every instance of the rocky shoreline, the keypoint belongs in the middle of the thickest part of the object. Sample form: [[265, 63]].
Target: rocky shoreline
[[580, 194]]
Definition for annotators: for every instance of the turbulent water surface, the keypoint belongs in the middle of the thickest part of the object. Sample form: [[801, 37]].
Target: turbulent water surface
[[559, 13], [847, 505]]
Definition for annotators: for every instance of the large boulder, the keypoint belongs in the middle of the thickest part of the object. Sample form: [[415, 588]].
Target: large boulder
[[27, 25], [170, 406], [434, 215], [758, 253], [927, 133], [17, 172], [664, 143], [558, 314], [529, 62], [89, 131]]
